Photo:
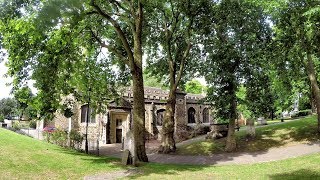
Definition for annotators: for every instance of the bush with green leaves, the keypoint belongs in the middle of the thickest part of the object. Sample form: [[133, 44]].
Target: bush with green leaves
[[302, 113], [46, 135], [59, 137], [305, 112], [1, 118], [16, 126], [33, 124], [75, 139]]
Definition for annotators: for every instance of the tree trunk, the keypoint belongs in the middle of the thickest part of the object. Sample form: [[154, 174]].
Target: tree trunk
[[314, 85], [138, 95], [168, 143], [312, 103], [231, 139], [138, 117]]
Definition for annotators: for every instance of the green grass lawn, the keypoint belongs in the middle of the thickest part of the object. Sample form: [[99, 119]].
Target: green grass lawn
[[306, 167], [276, 135], [269, 121], [22, 157]]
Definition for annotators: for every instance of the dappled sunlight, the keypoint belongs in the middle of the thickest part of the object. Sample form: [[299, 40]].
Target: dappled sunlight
[[273, 136], [299, 174], [207, 147], [28, 158], [293, 168]]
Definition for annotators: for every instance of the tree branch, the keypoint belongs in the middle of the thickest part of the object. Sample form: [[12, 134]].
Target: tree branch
[[119, 5], [110, 48], [182, 62], [117, 27]]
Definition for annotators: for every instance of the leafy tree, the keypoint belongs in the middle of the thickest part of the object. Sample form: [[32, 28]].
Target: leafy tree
[[194, 87], [172, 46], [152, 81], [51, 39], [236, 44], [259, 96], [24, 98], [296, 33], [8, 107]]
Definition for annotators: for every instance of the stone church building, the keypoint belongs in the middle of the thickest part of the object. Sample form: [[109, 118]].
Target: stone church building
[[112, 126]]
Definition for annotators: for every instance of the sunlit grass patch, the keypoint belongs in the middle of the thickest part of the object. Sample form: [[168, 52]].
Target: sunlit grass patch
[[276, 135], [206, 147], [22, 157]]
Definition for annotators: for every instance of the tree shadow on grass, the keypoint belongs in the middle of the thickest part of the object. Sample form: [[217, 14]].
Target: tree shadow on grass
[[91, 158], [300, 174], [167, 169], [280, 135]]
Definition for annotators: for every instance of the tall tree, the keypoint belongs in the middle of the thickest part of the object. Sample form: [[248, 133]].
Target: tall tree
[[128, 27], [24, 98], [195, 87], [53, 34], [172, 48], [296, 36], [235, 44], [8, 107]]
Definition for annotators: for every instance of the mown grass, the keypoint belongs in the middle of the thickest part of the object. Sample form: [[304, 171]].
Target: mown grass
[[22, 157], [306, 167], [275, 135]]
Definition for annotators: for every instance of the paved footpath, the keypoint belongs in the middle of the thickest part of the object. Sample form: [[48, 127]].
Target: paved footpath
[[272, 154]]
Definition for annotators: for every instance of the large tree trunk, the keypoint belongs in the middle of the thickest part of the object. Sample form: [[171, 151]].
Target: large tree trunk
[[138, 93], [312, 103], [134, 60], [231, 139], [314, 85], [138, 117], [168, 143]]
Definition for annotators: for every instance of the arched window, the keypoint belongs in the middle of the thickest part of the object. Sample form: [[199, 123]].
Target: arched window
[[191, 114], [160, 116], [84, 114], [205, 115]]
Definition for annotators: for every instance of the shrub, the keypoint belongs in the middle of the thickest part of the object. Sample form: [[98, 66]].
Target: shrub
[[302, 113], [33, 124], [221, 121], [59, 137], [75, 139], [46, 135], [16, 126], [305, 112], [1, 118]]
